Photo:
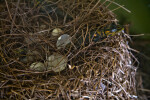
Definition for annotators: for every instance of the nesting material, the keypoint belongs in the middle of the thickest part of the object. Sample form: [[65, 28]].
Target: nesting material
[[102, 69]]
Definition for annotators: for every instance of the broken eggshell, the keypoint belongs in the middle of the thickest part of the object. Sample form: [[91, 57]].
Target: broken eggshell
[[42, 27], [37, 66], [63, 40], [31, 38], [31, 56], [56, 31], [56, 62]]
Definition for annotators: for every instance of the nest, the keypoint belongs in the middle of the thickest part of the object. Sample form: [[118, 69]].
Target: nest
[[97, 68]]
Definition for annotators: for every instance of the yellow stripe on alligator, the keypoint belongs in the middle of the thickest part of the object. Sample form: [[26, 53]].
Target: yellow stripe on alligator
[[109, 33]]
